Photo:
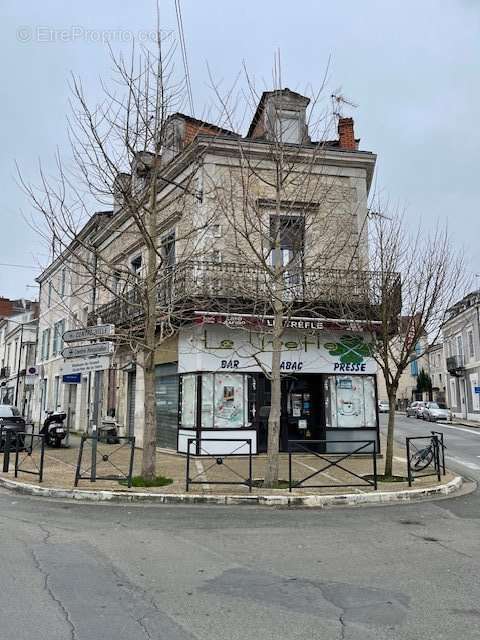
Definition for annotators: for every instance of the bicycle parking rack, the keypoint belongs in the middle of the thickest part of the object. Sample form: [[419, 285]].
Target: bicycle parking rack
[[425, 456]]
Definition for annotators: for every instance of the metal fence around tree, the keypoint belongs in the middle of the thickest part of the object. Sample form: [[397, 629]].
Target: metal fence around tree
[[98, 460], [30, 455], [221, 462], [332, 461]]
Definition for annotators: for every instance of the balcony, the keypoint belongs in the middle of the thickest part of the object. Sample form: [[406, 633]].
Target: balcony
[[455, 365], [240, 288]]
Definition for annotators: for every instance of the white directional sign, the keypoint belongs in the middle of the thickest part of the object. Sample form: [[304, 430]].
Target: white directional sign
[[90, 333], [85, 350], [86, 365]]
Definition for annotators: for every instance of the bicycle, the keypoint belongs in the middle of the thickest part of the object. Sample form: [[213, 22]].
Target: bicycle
[[422, 458]]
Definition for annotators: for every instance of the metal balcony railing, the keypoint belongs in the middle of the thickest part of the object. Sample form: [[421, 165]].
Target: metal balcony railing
[[455, 364], [236, 287]]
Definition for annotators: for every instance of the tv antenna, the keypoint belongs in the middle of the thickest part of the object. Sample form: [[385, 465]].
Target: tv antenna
[[339, 101]]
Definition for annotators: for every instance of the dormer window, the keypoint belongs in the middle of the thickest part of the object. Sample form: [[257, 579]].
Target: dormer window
[[287, 126]]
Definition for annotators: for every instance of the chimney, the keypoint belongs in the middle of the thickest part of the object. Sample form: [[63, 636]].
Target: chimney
[[346, 135]]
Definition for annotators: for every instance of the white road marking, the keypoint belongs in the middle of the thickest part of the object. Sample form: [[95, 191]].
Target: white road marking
[[469, 465], [201, 473], [450, 426]]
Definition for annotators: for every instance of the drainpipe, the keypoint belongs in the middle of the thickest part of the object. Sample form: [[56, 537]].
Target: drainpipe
[[19, 364]]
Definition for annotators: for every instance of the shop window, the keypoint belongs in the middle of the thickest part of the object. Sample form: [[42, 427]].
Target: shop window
[[224, 400], [189, 401], [350, 402]]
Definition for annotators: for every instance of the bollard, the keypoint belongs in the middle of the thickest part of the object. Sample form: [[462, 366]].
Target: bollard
[[6, 451]]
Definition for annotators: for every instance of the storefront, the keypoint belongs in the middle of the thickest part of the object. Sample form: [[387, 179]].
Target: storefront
[[328, 388]]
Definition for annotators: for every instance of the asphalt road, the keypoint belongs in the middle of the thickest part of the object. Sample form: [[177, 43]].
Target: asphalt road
[[105, 572]]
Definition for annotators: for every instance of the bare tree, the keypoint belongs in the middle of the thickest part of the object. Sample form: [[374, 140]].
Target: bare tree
[[416, 276], [291, 226], [119, 154]]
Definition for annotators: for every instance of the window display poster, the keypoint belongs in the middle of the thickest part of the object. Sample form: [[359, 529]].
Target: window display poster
[[229, 400], [350, 402]]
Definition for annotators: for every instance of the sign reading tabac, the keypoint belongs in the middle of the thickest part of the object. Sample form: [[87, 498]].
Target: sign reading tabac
[[214, 348]]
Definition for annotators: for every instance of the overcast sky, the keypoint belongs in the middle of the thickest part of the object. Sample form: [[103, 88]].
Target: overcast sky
[[411, 67]]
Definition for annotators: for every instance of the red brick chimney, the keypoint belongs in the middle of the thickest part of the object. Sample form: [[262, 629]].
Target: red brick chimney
[[346, 135]]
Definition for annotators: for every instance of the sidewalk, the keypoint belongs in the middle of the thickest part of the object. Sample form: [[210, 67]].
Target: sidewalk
[[60, 465]]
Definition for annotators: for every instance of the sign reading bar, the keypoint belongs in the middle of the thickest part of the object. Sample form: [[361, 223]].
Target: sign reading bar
[[85, 350], [85, 365], [90, 333]]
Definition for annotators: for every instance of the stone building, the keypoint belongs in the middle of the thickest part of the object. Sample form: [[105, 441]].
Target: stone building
[[225, 226], [461, 339]]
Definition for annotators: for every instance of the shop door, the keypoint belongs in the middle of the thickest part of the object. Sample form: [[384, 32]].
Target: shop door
[[302, 406], [132, 378]]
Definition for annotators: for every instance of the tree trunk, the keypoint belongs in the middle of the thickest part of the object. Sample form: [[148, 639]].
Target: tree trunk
[[150, 427], [392, 397], [273, 455]]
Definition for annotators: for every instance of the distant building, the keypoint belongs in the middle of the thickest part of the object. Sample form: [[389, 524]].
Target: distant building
[[438, 372], [18, 337], [407, 386], [461, 337]]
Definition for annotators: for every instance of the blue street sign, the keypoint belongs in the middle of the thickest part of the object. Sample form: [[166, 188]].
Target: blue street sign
[[477, 389], [72, 378]]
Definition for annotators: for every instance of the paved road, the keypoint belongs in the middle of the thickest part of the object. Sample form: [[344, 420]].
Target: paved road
[[102, 572]]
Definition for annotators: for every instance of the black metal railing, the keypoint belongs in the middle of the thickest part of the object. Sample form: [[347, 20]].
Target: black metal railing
[[424, 457], [218, 460], [310, 447], [32, 461], [455, 363], [101, 455], [202, 282]]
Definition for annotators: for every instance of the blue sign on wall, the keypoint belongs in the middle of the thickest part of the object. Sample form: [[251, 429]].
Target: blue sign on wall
[[477, 389], [72, 378]]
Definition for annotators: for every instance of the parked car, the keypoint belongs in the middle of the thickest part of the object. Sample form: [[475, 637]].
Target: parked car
[[415, 409], [434, 411], [10, 420], [383, 406]]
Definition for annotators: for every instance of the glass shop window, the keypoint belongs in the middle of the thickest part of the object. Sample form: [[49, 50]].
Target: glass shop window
[[224, 400], [189, 400], [350, 402]]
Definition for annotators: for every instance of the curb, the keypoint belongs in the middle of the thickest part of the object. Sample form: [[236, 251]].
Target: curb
[[349, 499]]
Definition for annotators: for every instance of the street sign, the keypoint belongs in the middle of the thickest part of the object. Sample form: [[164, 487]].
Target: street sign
[[72, 378], [85, 350], [90, 333], [85, 365], [477, 389]]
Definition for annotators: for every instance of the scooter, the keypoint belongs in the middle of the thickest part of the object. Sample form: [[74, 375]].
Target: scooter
[[54, 429]]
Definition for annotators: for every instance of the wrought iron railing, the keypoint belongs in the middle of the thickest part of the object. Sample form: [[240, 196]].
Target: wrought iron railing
[[455, 364], [205, 283]]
